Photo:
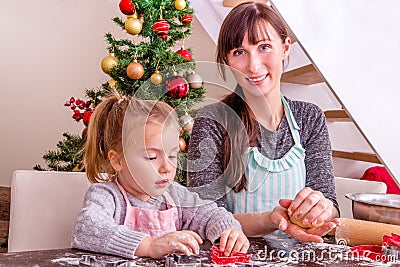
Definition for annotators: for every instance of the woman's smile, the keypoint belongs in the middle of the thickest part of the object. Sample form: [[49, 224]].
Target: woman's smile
[[257, 80]]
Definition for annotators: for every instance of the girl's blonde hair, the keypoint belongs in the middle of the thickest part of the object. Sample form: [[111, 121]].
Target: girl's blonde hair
[[107, 125]]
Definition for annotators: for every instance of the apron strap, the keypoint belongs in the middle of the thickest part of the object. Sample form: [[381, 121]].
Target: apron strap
[[293, 126], [169, 201], [128, 203]]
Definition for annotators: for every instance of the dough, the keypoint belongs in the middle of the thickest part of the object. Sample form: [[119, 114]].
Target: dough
[[300, 223]]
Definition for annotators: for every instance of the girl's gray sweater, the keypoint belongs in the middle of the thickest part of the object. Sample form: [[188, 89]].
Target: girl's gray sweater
[[99, 226]]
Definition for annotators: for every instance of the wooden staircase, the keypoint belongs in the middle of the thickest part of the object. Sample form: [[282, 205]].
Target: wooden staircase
[[309, 75], [305, 75]]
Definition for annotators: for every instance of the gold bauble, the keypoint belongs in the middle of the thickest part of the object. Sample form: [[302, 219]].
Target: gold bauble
[[195, 81], [188, 122], [134, 16], [156, 77], [109, 62], [180, 4], [112, 83], [135, 70], [133, 25]]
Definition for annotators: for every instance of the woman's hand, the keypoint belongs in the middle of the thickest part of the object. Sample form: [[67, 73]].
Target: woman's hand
[[279, 217], [311, 207], [186, 242], [232, 241]]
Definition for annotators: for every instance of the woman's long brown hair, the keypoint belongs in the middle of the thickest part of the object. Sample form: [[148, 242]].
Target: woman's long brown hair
[[250, 18]]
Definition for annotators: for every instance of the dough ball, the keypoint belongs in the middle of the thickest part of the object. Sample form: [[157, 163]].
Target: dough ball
[[300, 223]]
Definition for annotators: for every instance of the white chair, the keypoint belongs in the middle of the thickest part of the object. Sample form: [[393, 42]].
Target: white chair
[[352, 185], [43, 207]]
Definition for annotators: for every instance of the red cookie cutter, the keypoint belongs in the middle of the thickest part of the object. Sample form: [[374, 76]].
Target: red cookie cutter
[[218, 258], [374, 252], [393, 240]]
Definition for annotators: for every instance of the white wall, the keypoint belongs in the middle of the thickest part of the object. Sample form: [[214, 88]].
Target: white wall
[[51, 50], [355, 45]]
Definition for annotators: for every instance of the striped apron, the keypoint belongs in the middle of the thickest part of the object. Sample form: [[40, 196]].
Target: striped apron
[[270, 180]]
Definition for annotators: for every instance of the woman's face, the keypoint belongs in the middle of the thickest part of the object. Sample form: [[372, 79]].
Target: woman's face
[[258, 67], [150, 167]]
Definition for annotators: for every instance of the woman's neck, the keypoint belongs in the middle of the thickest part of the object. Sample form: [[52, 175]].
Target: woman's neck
[[268, 110]]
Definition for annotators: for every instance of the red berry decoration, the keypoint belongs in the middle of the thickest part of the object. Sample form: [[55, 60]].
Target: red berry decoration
[[176, 87], [187, 19], [185, 54], [86, 117], [81, 109], [161, 27], [127, 7]]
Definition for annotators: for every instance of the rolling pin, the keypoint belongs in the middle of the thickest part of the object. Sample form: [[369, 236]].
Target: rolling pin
[[358, 232]]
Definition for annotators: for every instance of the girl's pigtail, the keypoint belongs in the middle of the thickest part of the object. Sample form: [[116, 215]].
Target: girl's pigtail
[[97, 146]]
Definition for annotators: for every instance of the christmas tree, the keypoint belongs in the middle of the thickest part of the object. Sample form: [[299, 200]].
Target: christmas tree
[[148, 69]]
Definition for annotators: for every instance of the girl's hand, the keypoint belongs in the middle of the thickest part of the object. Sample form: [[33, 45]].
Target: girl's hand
[[311, 207], [279, 217], [186, 242], [233, 241]]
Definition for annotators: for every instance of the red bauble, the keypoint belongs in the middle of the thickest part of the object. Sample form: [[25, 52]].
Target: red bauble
[[176, 87], [185, 54], [161, 27], [126, 7], [187, 19]]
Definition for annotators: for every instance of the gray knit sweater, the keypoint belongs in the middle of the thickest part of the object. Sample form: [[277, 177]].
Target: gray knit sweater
[[99, 226], [206, 149]]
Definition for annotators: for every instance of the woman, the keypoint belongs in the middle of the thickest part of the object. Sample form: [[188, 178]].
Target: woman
[[274, 159]]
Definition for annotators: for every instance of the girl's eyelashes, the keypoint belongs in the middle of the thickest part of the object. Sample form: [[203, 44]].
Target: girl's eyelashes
[[154, 157]]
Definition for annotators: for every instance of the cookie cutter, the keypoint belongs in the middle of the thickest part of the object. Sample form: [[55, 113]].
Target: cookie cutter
[[181, 260], [392, 253], [100, 261], [237, 258]]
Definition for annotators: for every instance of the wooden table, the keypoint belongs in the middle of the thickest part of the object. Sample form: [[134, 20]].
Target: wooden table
[[273, 250]]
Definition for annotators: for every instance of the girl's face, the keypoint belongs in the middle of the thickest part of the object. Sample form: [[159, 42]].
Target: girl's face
[[150, 167], [258, 67]]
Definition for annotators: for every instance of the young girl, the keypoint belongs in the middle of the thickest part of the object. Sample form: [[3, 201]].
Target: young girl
[[134, 208]]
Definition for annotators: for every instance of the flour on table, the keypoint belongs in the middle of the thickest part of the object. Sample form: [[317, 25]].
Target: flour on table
[[67, 260]]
